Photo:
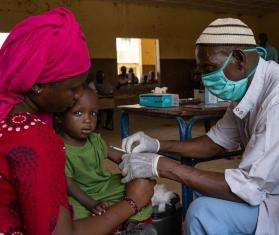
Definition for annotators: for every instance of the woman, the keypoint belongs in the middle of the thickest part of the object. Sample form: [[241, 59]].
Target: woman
[[43, 65]]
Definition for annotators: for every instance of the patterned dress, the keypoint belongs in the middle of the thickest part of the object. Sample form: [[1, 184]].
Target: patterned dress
[[32, 176]]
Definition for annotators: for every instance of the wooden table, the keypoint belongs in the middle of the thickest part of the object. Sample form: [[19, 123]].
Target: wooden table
[[186, 116]]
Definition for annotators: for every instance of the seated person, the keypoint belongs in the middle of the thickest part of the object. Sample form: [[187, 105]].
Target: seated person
[[271, 52], [133, 79], [145, 78], [92, 189], [103, 86], [152, 77], [33, 191], [91, 83], [122, 78]]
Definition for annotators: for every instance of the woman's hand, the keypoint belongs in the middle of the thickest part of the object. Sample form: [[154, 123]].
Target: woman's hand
[[100, 209], [140, 191]]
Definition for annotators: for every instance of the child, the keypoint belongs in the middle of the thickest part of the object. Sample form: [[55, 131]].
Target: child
[[92, 189]]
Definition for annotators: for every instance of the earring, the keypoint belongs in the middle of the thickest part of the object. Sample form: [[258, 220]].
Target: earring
[[36, 90]]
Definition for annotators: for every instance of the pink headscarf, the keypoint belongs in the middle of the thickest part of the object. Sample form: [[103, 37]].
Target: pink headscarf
[[41, 49]]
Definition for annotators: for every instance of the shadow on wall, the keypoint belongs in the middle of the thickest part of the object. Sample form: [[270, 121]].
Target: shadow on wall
[[177, 75]]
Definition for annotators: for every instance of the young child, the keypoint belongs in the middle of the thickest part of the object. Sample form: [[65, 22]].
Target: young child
[[92, 189]]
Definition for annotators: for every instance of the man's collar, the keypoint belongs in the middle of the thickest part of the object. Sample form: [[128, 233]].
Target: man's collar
[[254, 90]]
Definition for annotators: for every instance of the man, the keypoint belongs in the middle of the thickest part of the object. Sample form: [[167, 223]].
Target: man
[[243, 200], [272, 53], [133, 79], [151, 77], [104, 87], [123, 79]]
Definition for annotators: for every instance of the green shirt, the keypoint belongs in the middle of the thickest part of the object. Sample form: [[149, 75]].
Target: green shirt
[[85, 166]]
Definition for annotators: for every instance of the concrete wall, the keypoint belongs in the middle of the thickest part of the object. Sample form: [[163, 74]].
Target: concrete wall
[[177, 29], [103, 21], [269, 25], [148, 51]]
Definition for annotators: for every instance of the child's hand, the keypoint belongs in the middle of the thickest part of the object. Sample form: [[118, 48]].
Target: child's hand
[[100, 209]]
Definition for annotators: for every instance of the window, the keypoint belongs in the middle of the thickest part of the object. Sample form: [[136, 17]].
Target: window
[[140, 54]]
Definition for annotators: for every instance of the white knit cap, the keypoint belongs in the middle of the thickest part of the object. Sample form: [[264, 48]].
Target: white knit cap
[[227, 31]]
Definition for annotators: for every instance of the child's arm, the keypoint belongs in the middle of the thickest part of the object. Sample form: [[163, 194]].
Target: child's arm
[[82, 197], [114, 155]]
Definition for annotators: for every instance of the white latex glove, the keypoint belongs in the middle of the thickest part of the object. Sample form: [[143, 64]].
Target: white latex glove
[[145, 143], [139, 165]]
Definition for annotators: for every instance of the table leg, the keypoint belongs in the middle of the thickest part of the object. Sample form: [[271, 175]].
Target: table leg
[[182, 128], [187, 193], [124, 125]]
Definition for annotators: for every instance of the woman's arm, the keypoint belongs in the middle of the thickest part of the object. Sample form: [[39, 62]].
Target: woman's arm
[[140, 191], [96, 225]]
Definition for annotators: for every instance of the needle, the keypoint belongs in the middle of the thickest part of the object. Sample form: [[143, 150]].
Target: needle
[[118, 149]]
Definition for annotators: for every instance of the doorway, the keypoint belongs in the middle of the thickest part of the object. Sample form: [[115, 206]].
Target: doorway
[[141, 55]]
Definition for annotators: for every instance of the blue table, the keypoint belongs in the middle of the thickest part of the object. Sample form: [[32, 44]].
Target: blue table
[[186, 117]]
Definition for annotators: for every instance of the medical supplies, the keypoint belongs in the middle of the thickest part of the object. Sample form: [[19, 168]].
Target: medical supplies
[[159, 100]]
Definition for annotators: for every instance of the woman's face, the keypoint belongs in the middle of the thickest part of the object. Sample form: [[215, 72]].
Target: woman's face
[[58, 97]]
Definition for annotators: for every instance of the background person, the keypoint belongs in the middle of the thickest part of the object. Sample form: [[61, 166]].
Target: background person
[[272, 53]]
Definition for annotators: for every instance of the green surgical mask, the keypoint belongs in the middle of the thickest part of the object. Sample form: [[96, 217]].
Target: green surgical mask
[[219, 85], [262, 52]]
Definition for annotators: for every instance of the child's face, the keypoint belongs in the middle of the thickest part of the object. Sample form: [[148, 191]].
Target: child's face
[[81, 120]]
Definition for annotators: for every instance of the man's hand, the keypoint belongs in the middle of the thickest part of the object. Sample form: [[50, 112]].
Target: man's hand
[[139, 165], [140, 142]]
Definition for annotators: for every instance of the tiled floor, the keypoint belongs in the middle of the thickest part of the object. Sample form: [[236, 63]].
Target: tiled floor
[[162, 129]]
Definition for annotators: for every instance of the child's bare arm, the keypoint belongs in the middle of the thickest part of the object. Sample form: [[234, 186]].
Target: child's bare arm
[[82, 197], [114, 155]]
